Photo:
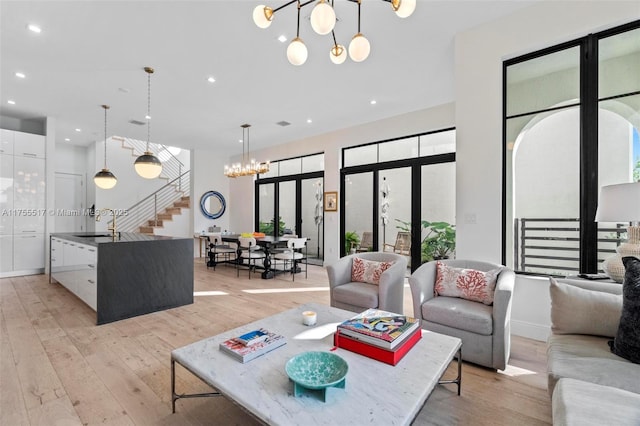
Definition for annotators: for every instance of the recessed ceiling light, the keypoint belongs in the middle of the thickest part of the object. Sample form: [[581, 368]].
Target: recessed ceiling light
[[20, 75], [211, 79], [78, 130], [148, 117], [34, 28], [373, 102], [240, 140], [309, 121], [11, 102], [67, 140], [282, 38], [124, 89]]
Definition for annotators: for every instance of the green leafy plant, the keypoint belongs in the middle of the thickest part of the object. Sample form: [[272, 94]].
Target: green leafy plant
[[440, 241], [351, 240], [268, 227]]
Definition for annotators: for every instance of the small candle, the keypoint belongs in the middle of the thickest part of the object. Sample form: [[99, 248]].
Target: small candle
[[309, 318]]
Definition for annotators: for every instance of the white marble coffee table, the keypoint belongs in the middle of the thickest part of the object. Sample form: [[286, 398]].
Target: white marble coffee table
[[375, 394]]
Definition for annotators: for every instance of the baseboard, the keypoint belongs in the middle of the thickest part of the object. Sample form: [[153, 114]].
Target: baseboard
[[530, 330]]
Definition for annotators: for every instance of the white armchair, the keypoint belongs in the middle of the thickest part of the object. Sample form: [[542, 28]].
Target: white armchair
[[485, 330], [388, 295]]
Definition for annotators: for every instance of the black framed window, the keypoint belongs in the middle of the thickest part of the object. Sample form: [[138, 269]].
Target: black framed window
[[570, 126]]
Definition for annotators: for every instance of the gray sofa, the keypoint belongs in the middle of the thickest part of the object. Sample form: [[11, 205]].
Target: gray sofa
[[587, 383], [357, 296]]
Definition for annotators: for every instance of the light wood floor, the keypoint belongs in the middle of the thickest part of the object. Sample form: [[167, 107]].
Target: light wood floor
[[58, 367]]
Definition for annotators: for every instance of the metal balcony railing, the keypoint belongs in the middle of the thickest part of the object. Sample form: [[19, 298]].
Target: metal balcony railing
[[551, 245]]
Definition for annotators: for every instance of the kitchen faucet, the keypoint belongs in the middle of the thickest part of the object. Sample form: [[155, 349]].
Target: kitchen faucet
[[111, 228]]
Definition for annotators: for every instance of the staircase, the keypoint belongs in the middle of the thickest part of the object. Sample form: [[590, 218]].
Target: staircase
[[166, 215]]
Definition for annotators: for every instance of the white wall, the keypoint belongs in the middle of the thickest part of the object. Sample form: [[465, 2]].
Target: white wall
[[479, 54], [206, 175]]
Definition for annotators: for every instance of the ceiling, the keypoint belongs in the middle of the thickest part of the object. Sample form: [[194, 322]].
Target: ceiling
[[93, 52]]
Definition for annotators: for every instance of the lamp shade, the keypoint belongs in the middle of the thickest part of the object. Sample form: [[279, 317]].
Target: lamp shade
[[105, 179], [404, 8], [359, 48], [297, 52], [619, 203], [262, 16], [323, 18], [148, 166]]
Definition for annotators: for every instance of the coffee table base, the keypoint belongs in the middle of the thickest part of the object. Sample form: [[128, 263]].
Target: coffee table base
[[175, 396], [457, 380]]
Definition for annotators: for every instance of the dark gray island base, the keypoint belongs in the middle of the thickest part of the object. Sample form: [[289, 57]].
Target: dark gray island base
[[134, 275]]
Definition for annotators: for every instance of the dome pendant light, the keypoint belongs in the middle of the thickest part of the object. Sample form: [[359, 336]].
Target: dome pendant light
[[148, 165], [104, 178]]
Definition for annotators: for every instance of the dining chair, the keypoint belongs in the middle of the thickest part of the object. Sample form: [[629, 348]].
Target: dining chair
[[217, 250], [294, 255], [250, 251]]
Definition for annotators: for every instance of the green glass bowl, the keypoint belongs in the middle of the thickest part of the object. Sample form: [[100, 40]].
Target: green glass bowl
[[316, 370]]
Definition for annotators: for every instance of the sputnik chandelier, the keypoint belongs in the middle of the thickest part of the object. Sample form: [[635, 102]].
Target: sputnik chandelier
[[247, 167], [323, 21]]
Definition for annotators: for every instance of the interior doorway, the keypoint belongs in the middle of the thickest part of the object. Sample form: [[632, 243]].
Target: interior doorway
[[70, 208]]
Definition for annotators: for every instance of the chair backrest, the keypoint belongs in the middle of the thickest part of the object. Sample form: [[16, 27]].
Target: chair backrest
[[247, 242], [403, 242], [296, 243], [367, 240], [215, 239]]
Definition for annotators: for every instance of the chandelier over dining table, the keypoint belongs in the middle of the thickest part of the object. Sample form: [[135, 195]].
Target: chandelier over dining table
[[323, 21], [247, 166]]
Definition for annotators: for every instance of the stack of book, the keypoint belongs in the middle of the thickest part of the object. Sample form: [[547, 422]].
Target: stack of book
[[378, 334], [252, 345]]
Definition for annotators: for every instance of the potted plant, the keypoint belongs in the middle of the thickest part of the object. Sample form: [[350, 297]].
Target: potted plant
[[440, 241], [351, 240]]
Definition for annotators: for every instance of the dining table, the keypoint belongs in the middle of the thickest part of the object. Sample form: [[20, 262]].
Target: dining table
[[268, 244]]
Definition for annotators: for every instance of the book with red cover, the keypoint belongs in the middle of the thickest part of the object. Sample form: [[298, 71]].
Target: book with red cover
[[379, 328], [387, 356]]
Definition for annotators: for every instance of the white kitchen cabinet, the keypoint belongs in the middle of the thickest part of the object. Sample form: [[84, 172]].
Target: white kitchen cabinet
[[76, 269], [6, 194], [6, 253], [6, 141], [28, 252], [28, 145]]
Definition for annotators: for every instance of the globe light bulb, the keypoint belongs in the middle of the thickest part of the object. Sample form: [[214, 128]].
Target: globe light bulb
[[338, 54], [359, 48], [404, 8], [262, 16], [323, 18], [297, 52]]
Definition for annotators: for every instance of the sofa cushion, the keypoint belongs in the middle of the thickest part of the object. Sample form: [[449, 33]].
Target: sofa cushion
[[627, 339], [368, 271], [470, 284], [459, 313], [575, 310], [579, 403], [588, 358], [357, 294]]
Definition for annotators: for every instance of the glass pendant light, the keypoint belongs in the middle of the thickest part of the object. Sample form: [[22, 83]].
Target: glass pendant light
[[359, 47], [323, 18], [297, 51], [104, 178], [148, 165], [403, 8], [262, 16]]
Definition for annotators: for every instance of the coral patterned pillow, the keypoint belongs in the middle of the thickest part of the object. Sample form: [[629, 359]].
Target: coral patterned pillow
[[469, 284], [368, 271]]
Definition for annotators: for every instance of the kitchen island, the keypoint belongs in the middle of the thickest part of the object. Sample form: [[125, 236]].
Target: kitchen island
[[122, 277]]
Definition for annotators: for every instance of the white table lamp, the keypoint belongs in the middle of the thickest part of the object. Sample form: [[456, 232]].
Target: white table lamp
[[621, 203]]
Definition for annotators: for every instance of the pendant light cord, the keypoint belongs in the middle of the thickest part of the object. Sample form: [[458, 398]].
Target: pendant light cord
[[105, 134], [298, 29], [148, 108], [359, 2]]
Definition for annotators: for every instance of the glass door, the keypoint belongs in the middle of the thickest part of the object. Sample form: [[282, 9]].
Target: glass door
[[266, 208], [359, 210], [287, 202], [312, 226]]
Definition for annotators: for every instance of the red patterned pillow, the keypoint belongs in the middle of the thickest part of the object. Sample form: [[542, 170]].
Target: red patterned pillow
[[469, 284], [368, 271]]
